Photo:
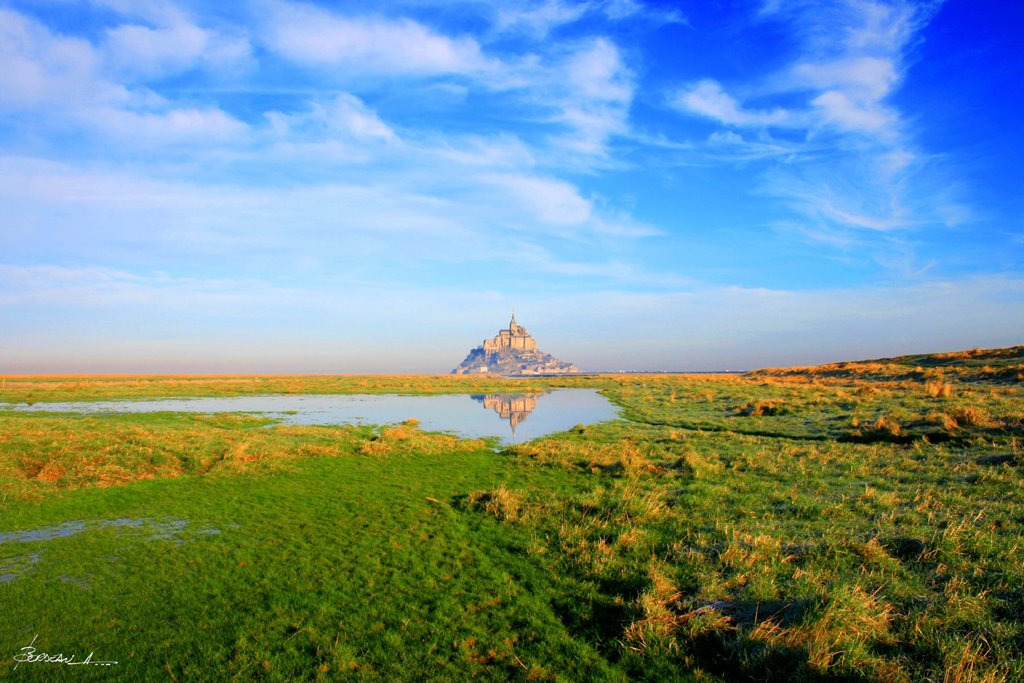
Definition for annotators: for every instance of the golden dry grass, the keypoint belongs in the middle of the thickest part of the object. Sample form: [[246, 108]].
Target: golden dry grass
[[45, 455]]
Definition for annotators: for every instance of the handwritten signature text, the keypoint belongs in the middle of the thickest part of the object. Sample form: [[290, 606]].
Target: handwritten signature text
[[29, 655]]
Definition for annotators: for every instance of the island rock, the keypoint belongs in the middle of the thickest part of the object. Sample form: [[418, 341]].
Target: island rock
[[512, 353]]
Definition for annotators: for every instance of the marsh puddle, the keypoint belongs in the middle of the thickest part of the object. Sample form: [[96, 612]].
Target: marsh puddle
[[14, 566], [160, 529], [508, 417]]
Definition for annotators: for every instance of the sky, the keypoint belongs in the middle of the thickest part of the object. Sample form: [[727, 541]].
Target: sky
[[282, 186]]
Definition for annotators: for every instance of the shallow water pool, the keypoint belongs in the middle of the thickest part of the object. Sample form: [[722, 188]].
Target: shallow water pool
[[508, 417]]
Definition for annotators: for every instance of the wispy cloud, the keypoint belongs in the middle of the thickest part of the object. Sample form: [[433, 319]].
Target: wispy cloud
[[840, 197], [174, 126], [707, 98], [42, 69], [583, 86], [104, 287], [74, 81], [345, 116], [366, 44], [600, 90], [538, 19], [852, 61], [552, 201], [854, 167], [612, 270], [140, 51], [348, 223], [650, 11]]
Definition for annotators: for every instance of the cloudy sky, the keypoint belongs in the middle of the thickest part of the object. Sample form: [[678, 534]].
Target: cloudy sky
[[278, 186]]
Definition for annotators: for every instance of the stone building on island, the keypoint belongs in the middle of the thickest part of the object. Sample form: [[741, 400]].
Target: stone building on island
[[515, 337], [511, 353]]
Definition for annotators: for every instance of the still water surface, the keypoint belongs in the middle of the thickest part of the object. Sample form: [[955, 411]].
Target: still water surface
[[508, 417]]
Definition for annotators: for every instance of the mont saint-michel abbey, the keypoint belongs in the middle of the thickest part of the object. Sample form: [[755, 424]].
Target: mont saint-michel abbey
[[512, 352], [515, 337]]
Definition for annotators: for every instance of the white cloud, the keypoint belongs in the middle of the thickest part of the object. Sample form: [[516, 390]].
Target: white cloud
[[613, 270], [159, 12], [146, 52], [627, 9], [584, 89], [707, 98], [42, 69], [895, 161], [726, 137], [353, 220], [842, 197], [851, 92], [102, 286], [885, 27], [350, 113], [552, 201], [497, 152], [624, 226], [173, 126], [362, 44], [344, 117], [594, 90], [867, 77], [339, 131], [153, 51], [868, 201], [852, 60], [856, 168], [729, 145], [597, 73], [160, 39], [539, 19], [585, 86], [838, 109], [66, 79]]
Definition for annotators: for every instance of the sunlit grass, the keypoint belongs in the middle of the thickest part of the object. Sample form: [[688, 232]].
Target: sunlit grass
[[35, 389], [857, 521]]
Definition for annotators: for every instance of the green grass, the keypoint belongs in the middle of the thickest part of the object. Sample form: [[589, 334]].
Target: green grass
[[861, 524], [361, 564], [35, 389]]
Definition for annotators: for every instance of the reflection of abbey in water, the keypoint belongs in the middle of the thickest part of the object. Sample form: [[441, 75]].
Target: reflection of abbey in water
[[511, 407]]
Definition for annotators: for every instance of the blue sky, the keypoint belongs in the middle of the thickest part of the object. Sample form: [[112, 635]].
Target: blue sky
[[278, 186]]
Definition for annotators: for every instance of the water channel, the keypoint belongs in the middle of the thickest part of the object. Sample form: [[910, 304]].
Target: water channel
[[510, 418]]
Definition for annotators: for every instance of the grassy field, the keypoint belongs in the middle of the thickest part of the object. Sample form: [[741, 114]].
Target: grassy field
[[857, 521]]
